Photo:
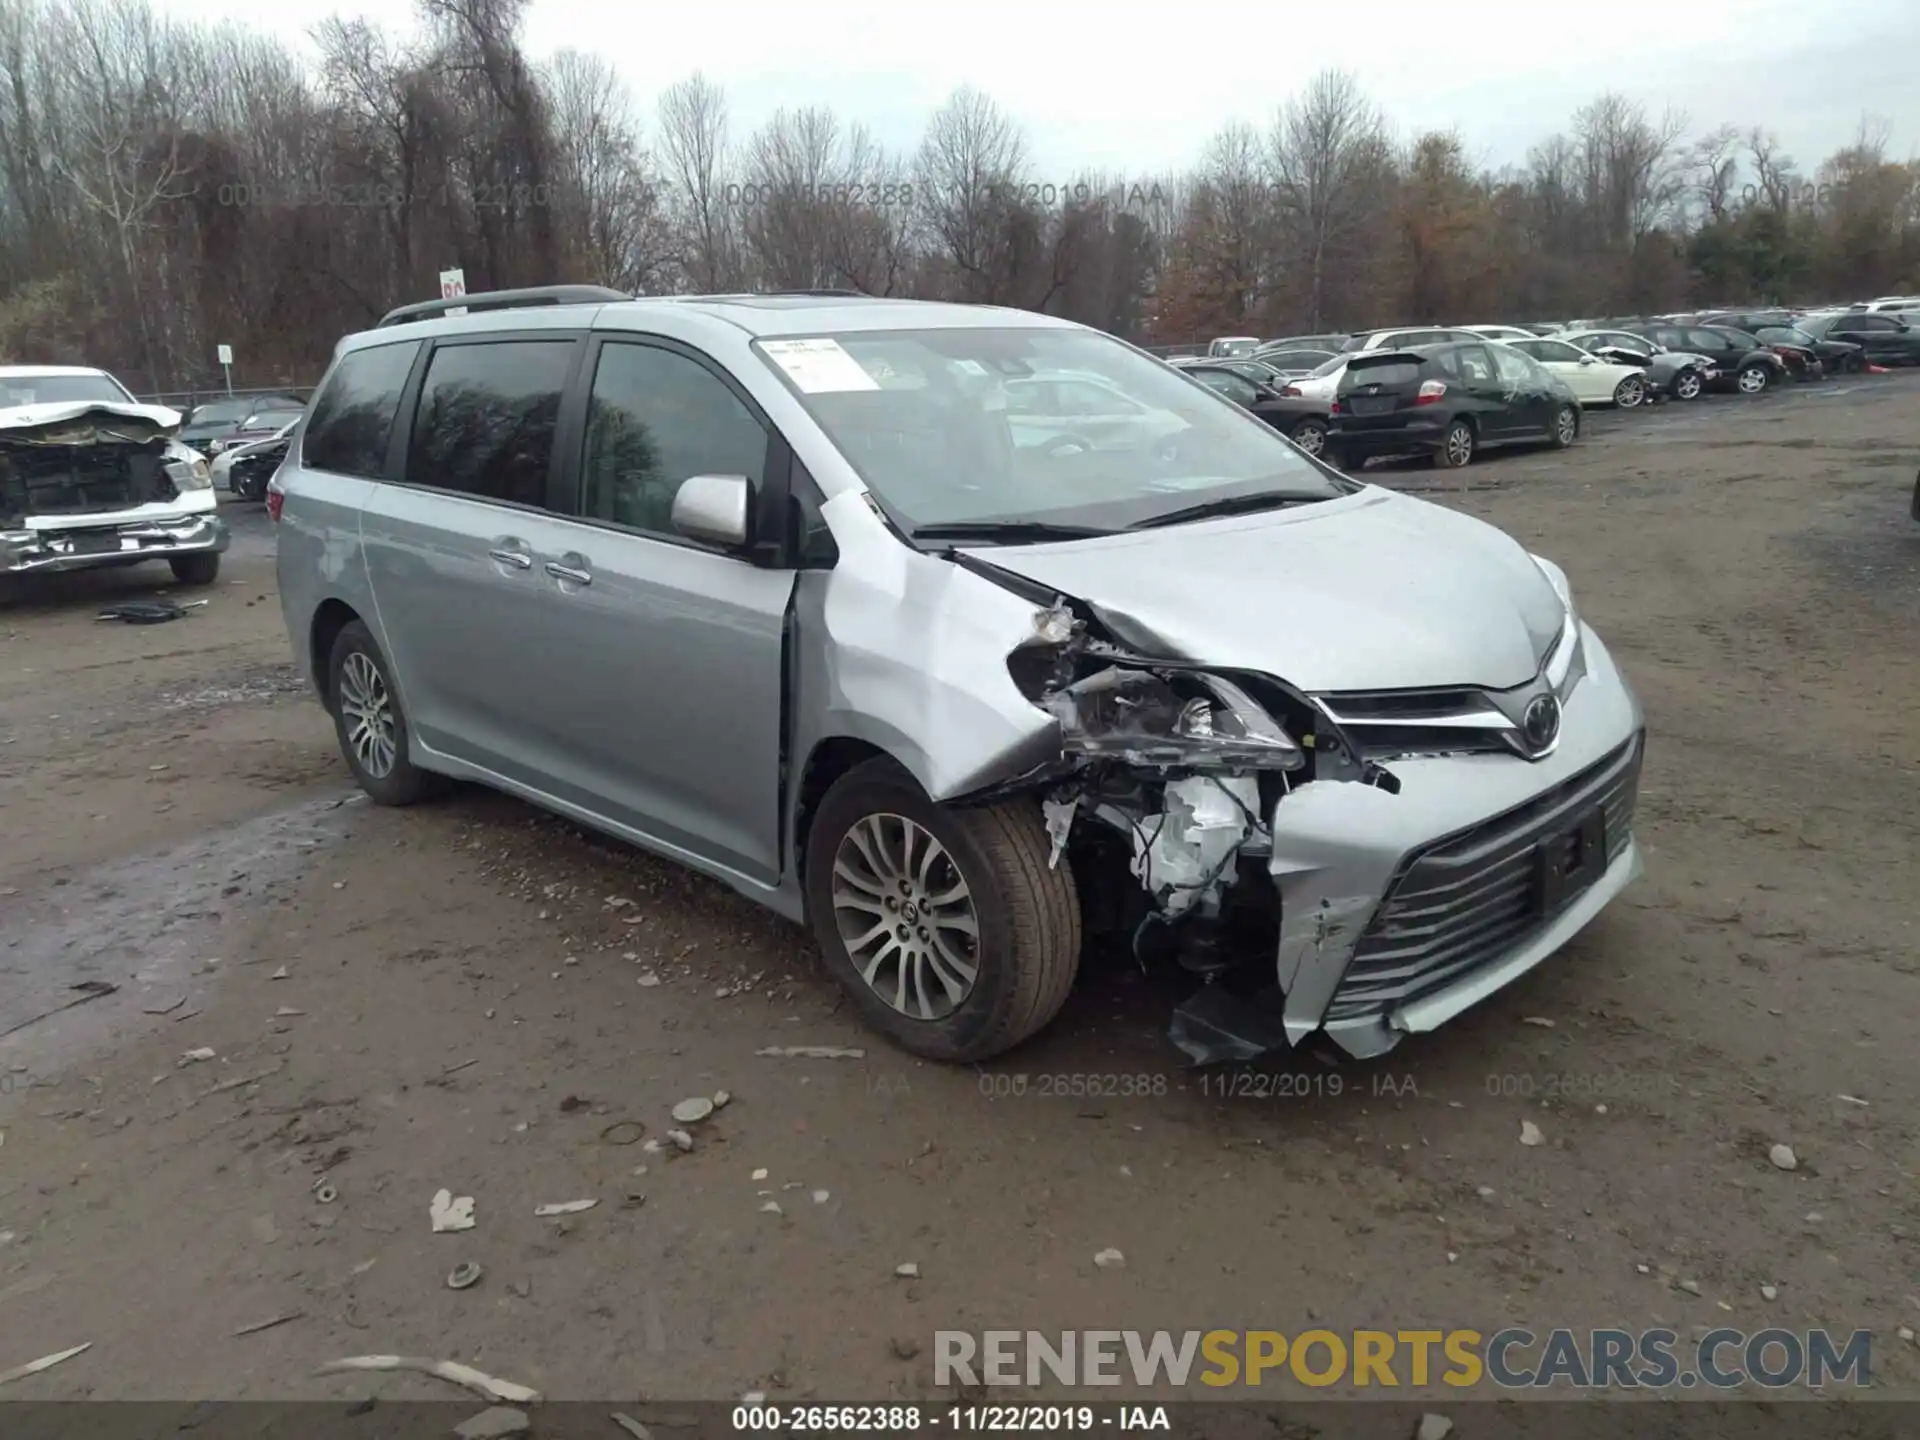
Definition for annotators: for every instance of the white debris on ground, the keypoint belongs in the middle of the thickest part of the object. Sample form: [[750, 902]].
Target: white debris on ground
[[449, 1212]]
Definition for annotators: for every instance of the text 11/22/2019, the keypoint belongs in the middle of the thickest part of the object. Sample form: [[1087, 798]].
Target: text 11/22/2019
[[834, 1420]]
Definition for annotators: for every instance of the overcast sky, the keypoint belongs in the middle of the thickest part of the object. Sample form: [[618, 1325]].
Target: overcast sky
[[1114, 87]]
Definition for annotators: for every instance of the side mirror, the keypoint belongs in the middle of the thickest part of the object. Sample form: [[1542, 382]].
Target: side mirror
[[1586, 360], [714, 509]]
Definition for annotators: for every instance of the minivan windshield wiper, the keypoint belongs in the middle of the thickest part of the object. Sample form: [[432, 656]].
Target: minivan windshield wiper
[[1227, 505], [1010, 532]]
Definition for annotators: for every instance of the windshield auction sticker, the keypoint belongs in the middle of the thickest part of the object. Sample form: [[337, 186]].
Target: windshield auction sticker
[[818, 367]]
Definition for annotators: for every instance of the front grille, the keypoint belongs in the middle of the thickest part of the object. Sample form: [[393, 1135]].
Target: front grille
[[1383, 724], [1470, 899]]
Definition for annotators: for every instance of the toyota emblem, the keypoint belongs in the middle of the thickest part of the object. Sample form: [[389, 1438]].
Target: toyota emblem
[[1540, 726]]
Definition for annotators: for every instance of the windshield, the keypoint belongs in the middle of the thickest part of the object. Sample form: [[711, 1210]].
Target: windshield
[[61, 389], [1329, 367], [1031, 425]]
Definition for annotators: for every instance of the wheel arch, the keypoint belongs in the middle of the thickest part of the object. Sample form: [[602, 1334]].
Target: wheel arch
[[331, 617]]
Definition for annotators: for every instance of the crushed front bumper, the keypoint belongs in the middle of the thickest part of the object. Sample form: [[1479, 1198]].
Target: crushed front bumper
[[80, 548], [1400, 910]]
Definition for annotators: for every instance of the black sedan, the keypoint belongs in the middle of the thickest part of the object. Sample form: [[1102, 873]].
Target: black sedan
[[1448, 401], [1884, 339], [1840, 357], [1301, 420]]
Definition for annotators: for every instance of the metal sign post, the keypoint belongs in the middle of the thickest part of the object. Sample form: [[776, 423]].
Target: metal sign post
[[226, 364]]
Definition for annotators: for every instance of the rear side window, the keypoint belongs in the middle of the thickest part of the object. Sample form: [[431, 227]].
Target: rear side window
[[1234, 387], [486, 420], [658, 418], [352, 417]]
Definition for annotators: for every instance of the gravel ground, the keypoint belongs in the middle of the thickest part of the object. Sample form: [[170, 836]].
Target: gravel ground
[[457, 996]]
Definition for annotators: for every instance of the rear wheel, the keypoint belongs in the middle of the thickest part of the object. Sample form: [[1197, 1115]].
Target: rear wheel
[[196, 569], [1630, 392], [1752, 379], [1686, 385], [1566, 427], [1310, 436], [946, 925], [370, 723], [1456, 446]]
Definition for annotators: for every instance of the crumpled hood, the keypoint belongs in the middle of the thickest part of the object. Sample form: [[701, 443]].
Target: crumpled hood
[[21, 421], [1375, 591]]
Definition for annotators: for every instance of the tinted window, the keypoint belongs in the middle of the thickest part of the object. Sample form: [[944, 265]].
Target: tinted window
[[657, 419], [353, 416], [1874, 322], [486, 419], [1525, 347], [1708, 340], [1513, 367], [1295, 359], [1384, 372]]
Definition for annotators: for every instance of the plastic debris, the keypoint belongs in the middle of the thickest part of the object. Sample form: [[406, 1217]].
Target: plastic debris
[[564, 1207], [1530, 1134], [623, 1132], [820, 1197], [908, 1271], [325, 1192], [464, 1276], [1432, 1427], [45, 1362], [692, 1112], [195, 1056], [632, 1426], [1110, 1259], [452, 1371], [814, 1052], [1783, 1157], [682, 1141], [450, 1213], [493, 1424], [721, 1098], [772, 1207]]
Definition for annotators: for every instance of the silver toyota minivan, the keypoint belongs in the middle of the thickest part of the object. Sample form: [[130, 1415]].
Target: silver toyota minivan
[[810, 593]]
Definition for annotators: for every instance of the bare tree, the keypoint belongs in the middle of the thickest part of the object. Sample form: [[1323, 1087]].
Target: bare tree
[[1328, 154], [972, 165], [693, 143], [609, 199]]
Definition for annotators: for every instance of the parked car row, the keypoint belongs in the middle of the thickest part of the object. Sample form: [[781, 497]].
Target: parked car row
[[1451, 391]]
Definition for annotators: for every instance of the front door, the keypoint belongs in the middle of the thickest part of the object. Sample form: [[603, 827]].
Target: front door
[[666, 658]]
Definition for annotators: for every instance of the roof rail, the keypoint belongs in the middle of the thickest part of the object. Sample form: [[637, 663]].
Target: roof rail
[[848, 294], [502, 300]]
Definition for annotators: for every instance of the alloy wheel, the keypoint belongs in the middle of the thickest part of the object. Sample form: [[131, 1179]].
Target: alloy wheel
[[1687, 387], [1459, 445], [906, 916], [1311, 438], [1566, 425], [368, 710], [1752, 380], [1629, 392]]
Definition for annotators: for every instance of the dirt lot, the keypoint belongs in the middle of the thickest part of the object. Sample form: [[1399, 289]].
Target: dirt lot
[[451, 997]]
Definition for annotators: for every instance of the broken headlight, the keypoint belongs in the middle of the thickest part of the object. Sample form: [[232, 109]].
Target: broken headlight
[[190, 474], [1178, 719]]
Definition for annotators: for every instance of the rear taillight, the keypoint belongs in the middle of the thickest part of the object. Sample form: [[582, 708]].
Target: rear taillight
[[1430, 392], [1334, 408]]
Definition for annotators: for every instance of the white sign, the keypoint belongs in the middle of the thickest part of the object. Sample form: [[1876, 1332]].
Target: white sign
[[226, 354], [818, 367], [453, 284]]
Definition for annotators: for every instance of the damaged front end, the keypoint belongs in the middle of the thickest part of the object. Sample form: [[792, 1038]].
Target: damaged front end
[[1167, 773], [90, 484], [1315, 873]]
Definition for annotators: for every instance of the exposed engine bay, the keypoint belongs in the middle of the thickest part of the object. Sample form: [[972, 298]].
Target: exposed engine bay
[[1166, 775], [98, 462]]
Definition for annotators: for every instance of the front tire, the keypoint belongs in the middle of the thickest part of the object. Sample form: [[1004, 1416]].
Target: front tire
[[201, 569], [1566, 427], [1753, 379], [370, 724], [1686, 385], [1456, 447], [1310, 436], [1630, 392], [944, 924]]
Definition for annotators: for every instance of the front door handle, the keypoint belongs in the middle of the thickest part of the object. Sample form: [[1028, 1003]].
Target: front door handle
[[572, 574], [511, 553]]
